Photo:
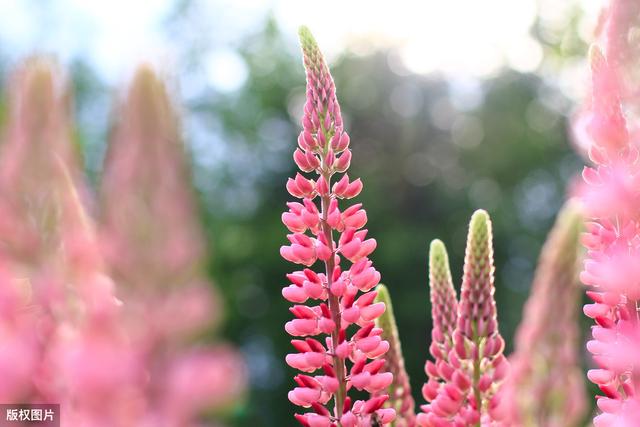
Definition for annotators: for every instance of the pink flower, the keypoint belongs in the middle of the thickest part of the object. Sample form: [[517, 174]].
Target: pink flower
[[154, 249], [465, 380], [612, 239], [64, 335], [546, 384], [342, 297]]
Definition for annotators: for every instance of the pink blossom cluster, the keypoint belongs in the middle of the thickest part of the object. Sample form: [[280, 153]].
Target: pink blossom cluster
[[612, 199], [469, 368], [546, 384], [444, 313], [72, 331], [343, 297]]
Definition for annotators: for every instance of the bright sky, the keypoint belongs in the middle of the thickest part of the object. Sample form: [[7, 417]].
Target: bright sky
[[458, 37]]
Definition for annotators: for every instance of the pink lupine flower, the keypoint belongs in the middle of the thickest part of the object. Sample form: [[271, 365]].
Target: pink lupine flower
[[36, 161], [612, 243], [343, 296], [617, 35], [444, 315], [64, 336], [154, 249], [400, 398], [151, 239], [37, 142], [475, 367], [64, 314], [545, 387]]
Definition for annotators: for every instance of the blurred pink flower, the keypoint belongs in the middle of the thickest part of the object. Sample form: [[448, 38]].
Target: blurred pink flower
[[155, 251], [612, 203], [64, 335], [545, 387]]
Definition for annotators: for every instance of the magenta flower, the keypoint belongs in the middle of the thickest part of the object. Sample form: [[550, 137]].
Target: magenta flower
[[444, 314], [611, 197], [343, 296], [464, 384], [546, 387]]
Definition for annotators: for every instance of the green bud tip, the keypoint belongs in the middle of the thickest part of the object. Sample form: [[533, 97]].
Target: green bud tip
[[306, 38], [438, 252], [480, 221], [383, 293]]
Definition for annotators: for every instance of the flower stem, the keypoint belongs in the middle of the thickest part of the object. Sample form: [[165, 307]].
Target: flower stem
[[334, 306], [476, 375]]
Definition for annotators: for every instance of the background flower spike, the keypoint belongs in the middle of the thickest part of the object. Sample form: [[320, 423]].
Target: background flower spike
[[473, 369], [546, 386], [444, 303], [477, 330], [444, 315], [400, 389]]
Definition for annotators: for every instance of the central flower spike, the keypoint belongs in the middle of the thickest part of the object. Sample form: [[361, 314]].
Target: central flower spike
[[327, 303]]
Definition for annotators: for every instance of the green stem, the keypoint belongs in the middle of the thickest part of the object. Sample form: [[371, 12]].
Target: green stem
[[476, 373]]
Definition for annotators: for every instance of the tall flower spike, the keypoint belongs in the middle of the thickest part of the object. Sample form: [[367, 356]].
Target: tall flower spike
[[444, 316], [34, 284], [343, 295], [545, 387], [151, 236], [444, 303], [154, 247], [38, 131], [400, 390], [475, 366], [612, 267]]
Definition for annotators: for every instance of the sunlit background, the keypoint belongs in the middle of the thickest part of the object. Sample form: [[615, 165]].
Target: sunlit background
[[451, 106]]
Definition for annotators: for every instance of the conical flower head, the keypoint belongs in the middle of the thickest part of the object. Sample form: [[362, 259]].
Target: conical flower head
[[444, 303], [465, 379], [151, 233], [444, 314], [477, 311], [38, 140], [545, 387], [322, 121], [400, 389], [151, 230], [477, 342]]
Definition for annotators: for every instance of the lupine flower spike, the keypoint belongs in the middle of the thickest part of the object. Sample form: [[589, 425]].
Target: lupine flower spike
[[612, 268], [475, 367], [154, 247], [545, 387], [327, 303], [400, 390], [444, 314], [150, 233]]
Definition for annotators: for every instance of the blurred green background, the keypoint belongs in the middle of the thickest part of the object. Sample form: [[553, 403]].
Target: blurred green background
[[431, 146]]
